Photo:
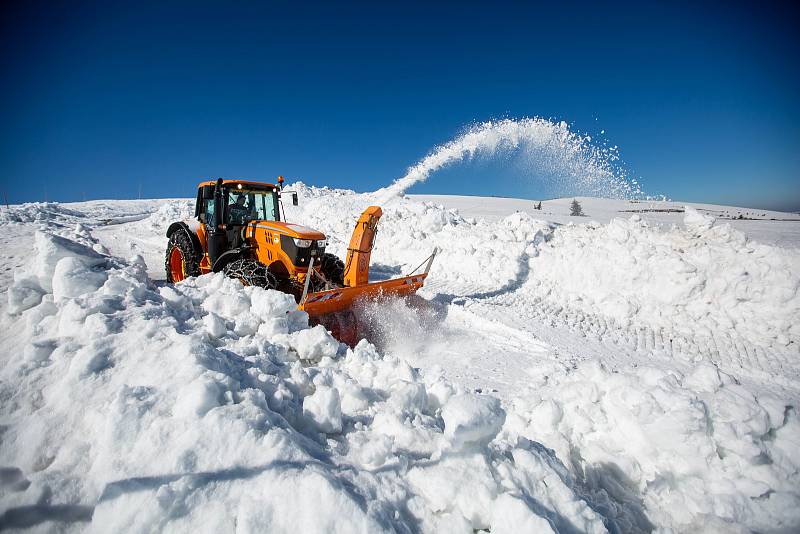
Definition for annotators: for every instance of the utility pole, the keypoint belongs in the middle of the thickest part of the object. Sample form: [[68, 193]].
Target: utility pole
[[140, 190]]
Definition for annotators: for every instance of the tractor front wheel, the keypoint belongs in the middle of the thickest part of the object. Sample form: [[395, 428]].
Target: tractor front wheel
[[182, 261], [332, 268], [250, 273]]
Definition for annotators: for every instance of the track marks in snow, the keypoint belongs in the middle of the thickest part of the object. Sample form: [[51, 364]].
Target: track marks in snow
[[733, 354]]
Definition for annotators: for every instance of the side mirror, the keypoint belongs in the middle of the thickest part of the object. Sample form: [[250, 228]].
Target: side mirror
[[294, 199], [208, 192]]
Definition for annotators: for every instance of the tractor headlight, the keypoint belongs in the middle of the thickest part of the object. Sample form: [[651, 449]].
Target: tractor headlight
[[302, 243], [322, 243]]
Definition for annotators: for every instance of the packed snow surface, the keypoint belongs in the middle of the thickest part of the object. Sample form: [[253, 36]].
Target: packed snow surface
[[625, 372]]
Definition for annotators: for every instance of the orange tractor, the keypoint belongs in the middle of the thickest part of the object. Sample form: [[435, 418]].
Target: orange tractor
[[238, 230]]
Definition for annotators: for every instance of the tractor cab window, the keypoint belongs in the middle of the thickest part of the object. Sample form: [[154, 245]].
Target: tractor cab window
[[210, 218], [245, 206]]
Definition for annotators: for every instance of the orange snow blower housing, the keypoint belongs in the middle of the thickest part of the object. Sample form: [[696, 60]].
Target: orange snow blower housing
[[237, 230]]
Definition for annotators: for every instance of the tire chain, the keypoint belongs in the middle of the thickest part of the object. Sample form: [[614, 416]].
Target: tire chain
[[250, 273]]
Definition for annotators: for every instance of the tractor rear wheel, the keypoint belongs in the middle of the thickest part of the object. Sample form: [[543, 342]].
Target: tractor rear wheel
[[332, 268], [181, 261], [250, 273]]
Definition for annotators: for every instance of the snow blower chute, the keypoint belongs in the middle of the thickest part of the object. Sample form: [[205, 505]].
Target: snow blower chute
[[237, 230]]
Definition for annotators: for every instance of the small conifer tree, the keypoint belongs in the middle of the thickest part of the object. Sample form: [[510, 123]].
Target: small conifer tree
[[575, 209]]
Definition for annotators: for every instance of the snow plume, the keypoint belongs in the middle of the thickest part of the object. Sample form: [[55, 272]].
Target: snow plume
[[571, 159]]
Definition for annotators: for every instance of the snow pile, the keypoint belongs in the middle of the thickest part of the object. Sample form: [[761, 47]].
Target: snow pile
[[567, 158], [36, 212], [696, 450], [695, 221], [65, 268], [474, 256], [706, 280], [206, 405], [211, 407], [688, 448], [168, 213]]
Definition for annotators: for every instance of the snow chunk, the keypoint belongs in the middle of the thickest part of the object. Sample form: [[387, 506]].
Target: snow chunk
[[472, 420], [443, 484], [696, 221], [324, 410], [214, 325], [269, 304], [73, 278], [510, 515], [313, 344], [52, 248], [24, 293], [197, 398]]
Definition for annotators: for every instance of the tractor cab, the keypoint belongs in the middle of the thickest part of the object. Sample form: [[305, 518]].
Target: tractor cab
[[240, 218], [237, 203]]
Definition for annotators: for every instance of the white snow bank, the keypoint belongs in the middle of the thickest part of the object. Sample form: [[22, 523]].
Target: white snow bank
[[209, 407], [682, 449], [206, 404], [63, 267], [36, 212], [168, 213], [707, 281], [696, 450], [474, 256]]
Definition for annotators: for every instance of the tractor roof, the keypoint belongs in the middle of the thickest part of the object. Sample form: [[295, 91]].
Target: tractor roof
[[236, 182]]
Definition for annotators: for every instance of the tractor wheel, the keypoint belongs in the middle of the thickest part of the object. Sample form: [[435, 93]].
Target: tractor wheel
[[182, 261], [250, 273], [332, 268]]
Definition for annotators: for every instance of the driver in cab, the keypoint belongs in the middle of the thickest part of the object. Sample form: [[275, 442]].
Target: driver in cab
[[238, 213]]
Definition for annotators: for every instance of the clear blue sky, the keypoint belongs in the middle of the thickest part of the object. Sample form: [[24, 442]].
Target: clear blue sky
[[96, 99]]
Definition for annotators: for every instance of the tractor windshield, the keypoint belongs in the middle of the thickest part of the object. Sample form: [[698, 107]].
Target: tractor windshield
[[251, 205]]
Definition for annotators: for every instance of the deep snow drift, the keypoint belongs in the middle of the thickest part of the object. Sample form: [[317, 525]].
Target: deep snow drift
[[211, 407], [616, 376]]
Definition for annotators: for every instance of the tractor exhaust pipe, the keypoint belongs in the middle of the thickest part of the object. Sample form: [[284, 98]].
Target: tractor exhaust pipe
[[217, 240]]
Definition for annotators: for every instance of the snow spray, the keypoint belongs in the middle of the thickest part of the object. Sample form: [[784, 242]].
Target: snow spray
[[569, 159]]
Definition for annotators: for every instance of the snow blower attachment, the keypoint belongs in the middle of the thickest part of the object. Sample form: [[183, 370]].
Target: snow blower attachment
[[238, 230]]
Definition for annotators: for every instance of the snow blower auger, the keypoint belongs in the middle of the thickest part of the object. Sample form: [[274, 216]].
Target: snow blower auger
[[237, 230]]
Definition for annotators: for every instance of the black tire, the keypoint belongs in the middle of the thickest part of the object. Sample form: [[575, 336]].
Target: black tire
[[332, 268], [250, 273], [190, 259]]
